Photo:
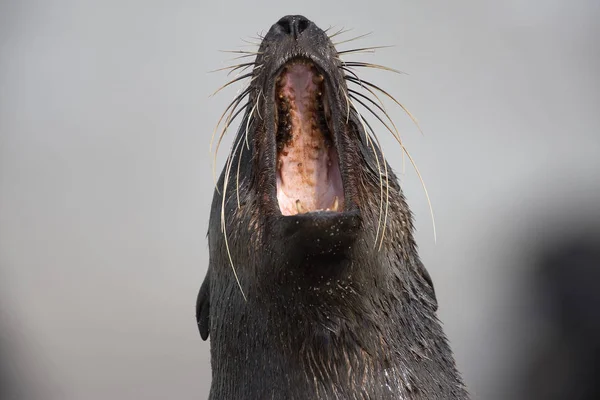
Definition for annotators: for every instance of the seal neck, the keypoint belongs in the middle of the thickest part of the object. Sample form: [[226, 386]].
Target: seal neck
[[378, 344]]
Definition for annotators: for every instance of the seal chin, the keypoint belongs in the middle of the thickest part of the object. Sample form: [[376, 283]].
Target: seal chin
[[308, 176], [317, 234]]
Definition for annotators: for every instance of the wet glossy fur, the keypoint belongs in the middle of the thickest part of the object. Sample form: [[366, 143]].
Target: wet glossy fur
[[328, 315]]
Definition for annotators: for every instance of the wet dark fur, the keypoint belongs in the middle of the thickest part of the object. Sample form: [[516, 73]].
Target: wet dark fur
[[328, 315]]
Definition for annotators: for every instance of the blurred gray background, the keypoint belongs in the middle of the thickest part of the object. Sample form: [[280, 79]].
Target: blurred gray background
[[105, 174]]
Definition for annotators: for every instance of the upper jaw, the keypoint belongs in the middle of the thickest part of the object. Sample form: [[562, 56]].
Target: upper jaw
[[304, 225]]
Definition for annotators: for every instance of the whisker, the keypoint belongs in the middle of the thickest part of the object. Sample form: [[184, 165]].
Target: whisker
[[405, 150], [234, 103], [369, 65], [256, 67], [240, 57], [251, 43], [363, 49], [340, 32], [387, 191], [370, 143], [232, 67], [237, 176], [223, 222], [248, 123], [354, 38], [424, 189], [350, 71], [359, 83], [227, 124], [231, 82], [358, 51], [252, 53], [387, 186], [368, 89], [347, 99], [414, 120], [261, 93], [374, 114], [380, 107], [229, 120], [347, 106]]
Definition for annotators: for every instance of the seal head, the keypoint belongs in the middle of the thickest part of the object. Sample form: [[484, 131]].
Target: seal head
[[314, 287]]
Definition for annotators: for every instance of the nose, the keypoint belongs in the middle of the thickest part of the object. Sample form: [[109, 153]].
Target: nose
[[293, 25]]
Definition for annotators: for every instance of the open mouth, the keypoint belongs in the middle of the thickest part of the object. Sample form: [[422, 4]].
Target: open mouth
[[308, 170]]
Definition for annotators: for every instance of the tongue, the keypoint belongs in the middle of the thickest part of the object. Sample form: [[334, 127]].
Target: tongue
[[308, 176]]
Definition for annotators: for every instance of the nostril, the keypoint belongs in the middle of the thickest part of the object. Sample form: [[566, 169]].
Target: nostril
[[286, 25], [293, 25], [302, 24]]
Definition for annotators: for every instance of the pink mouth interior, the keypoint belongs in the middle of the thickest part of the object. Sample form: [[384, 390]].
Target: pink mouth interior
[[308, 173]]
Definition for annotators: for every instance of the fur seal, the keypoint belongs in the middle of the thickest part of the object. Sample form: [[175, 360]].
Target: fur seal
[[315, 289]]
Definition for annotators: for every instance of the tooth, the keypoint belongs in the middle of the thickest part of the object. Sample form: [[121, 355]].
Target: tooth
[[318, 78], [299, 207], [335, 205]]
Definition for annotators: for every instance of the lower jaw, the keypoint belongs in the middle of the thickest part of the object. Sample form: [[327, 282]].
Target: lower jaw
[[325, 193], [316, 233], [305, 205]]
